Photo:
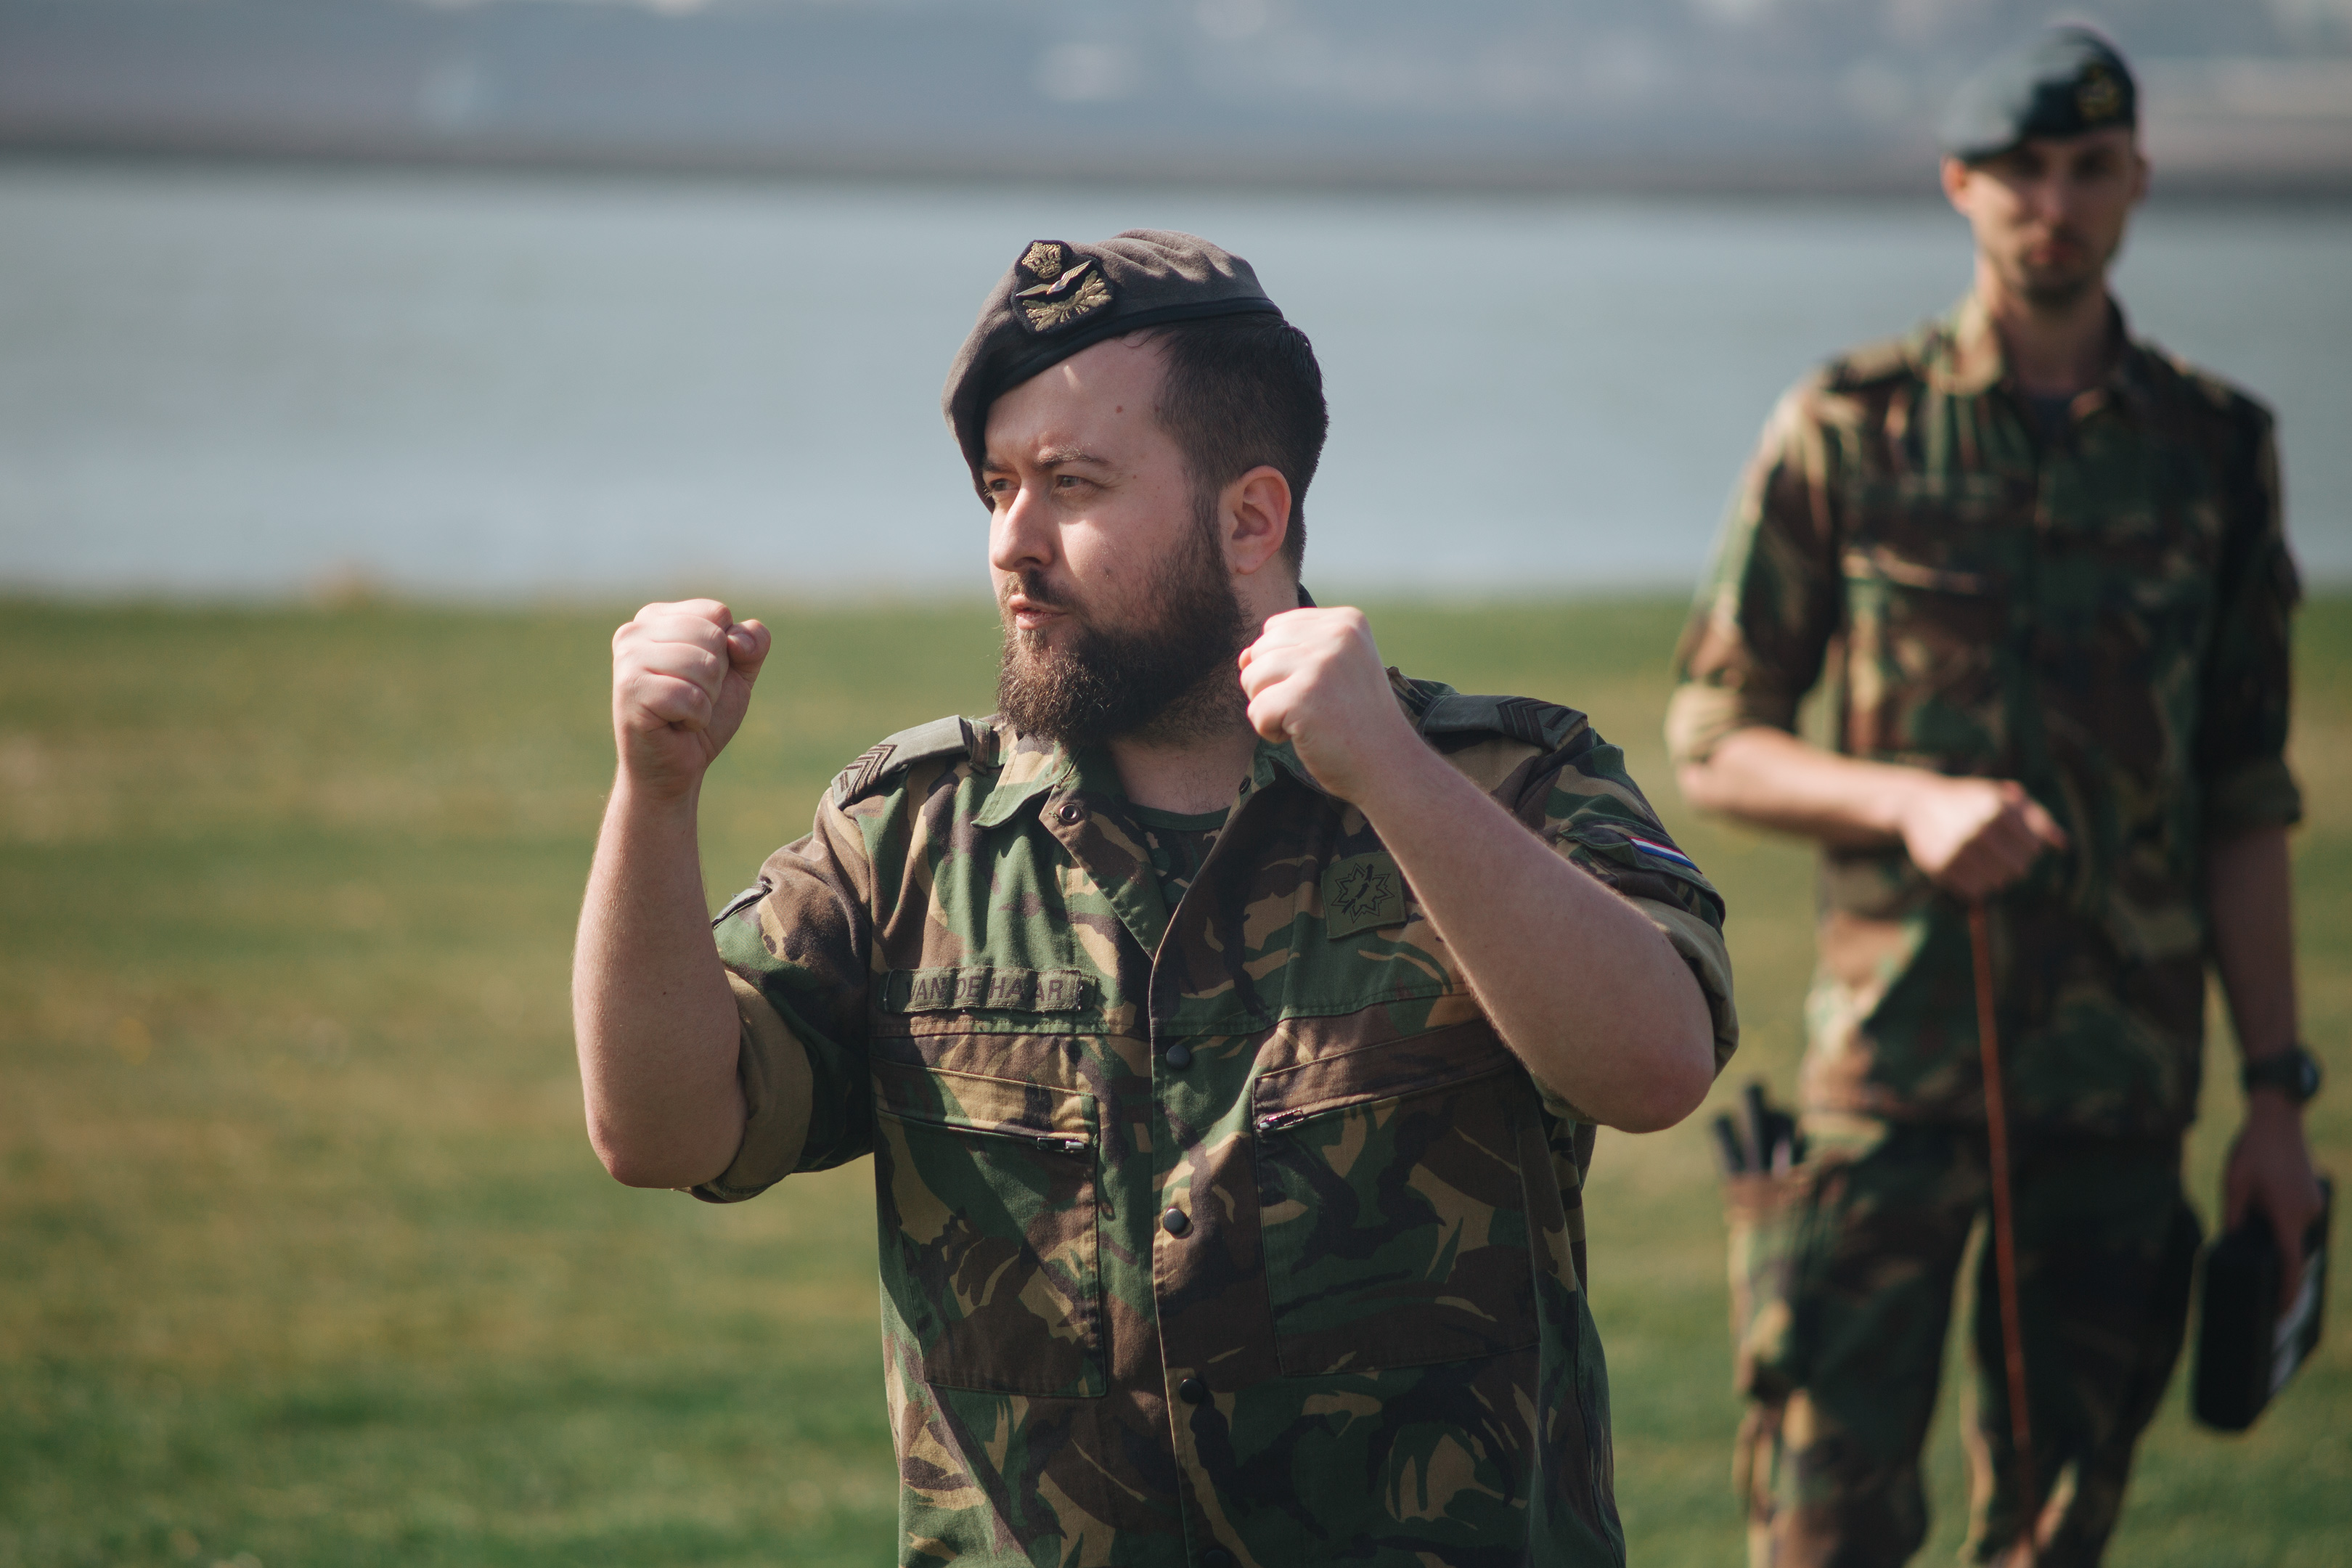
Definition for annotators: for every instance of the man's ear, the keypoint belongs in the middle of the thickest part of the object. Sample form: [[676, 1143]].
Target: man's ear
[[1253, 519], [1955, 176]]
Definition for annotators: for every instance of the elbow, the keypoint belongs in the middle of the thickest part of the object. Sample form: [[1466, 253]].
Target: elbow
[[633, 1163], [1679, 1066], [1678, 1069], [625, 1165], [636, 1173], [1674, 1085]]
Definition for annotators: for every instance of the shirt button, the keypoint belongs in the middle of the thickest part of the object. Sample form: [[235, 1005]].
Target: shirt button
[[1071, 812], [1216, 1557], [1179, 1058], [1175, 1222], [1191, 1391]]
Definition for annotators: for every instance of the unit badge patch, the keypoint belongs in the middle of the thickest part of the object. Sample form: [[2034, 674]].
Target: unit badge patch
[[1066, 289], [1360, 893]]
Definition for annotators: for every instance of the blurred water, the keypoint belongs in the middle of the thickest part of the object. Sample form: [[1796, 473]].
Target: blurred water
[[247, 381]]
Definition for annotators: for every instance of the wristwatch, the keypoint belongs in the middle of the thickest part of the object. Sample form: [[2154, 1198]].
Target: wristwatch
[[2293, 1072]]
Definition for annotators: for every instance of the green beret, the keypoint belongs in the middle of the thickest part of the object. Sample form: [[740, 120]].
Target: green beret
[[1061, 297], [2067, 81]]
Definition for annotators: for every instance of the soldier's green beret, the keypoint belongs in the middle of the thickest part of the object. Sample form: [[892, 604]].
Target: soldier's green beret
[[1061, 297], [2065, 82]]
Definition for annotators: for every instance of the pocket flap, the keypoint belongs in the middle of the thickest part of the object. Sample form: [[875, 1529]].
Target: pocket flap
[[1878, 561], [1385, 1071], [983, 1104]]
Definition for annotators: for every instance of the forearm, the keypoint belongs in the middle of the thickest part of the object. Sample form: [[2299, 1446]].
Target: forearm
[[654, 1019], [1578, 982], [1769, 778], [2250, 914], [2250, 905]]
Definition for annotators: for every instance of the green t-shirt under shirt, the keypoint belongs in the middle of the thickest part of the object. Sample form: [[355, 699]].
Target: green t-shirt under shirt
[[1178, 845]]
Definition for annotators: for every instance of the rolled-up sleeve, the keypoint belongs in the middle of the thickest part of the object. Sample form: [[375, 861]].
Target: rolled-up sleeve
[[2248, 677], [1595, 816], [796, 962], [1764, 614]]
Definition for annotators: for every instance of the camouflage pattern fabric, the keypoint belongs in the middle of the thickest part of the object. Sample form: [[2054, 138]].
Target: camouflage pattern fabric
[[1877, 1228], [2101, 617], [1224, 1234]]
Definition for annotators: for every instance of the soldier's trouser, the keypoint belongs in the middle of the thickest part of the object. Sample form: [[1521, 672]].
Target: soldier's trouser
[[1877, 1231]]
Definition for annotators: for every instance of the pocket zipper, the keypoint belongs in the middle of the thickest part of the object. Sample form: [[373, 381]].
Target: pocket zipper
[[1050, 1143], [1280, 1120]]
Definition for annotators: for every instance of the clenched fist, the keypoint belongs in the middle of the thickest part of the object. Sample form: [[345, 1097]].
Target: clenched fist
[[1975, 836], [1314, 678], [682, 678]]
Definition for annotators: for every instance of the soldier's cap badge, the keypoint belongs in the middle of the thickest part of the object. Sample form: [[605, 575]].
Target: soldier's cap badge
[[2098, 95], [1065, 291]]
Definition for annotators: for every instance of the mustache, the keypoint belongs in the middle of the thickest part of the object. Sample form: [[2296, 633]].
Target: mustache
[[1031, 585]]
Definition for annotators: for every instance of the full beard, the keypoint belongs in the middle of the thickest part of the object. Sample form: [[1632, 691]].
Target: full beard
[[1170, 679]]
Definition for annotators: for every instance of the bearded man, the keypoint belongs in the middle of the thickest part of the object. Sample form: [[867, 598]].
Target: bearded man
[[1226, 1016]]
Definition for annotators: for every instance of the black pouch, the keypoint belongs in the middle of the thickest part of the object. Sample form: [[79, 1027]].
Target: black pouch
[[2245, 1350]]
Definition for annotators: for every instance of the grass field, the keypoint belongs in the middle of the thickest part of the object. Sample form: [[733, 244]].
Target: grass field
[[304, 1259]]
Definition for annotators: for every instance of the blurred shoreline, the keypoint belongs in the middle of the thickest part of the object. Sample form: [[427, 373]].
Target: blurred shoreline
[[1705, 98], [241, 382], [2328, 192]]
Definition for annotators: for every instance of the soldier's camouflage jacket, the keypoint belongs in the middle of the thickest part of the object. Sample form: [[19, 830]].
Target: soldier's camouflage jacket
[[1229, 1234], [2100, 614]]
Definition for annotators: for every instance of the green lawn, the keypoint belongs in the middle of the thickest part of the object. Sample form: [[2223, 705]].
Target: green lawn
[[304, 1259]]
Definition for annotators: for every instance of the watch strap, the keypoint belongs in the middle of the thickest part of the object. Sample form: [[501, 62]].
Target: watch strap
[[2293, 1072]]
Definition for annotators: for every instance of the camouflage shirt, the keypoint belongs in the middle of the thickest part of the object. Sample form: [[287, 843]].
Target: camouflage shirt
[[2098, 610], [1226, 1234]]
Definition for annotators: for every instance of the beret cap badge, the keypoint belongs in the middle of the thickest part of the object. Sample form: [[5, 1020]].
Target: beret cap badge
[[1064, 291], [2097, 96]]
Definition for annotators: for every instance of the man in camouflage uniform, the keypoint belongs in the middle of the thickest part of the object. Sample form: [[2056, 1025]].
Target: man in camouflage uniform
[[2041, 566], [1228, 1050]]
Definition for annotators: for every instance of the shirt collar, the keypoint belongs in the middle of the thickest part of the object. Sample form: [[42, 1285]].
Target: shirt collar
[[1033, 767], [1969, 359]]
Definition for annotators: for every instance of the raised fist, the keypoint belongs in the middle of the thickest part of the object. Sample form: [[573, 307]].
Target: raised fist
[[1314, 678], [682, 678]]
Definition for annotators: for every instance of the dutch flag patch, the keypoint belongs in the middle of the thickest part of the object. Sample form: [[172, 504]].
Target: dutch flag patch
[[1661, 851]]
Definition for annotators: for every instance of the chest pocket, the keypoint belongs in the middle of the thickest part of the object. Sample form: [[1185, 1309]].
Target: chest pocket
[[990, 1251], [1393, 1197], [1922, 629]]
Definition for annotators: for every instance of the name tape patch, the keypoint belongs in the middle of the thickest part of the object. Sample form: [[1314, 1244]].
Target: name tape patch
[[1005, 990]]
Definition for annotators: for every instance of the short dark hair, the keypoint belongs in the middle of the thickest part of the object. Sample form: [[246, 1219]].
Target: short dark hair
[[1239, 390]]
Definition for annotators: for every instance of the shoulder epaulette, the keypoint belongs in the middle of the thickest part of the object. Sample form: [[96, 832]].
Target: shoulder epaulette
[[1524, 718], [1887, 359], [2218, 392], [940, 738]]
